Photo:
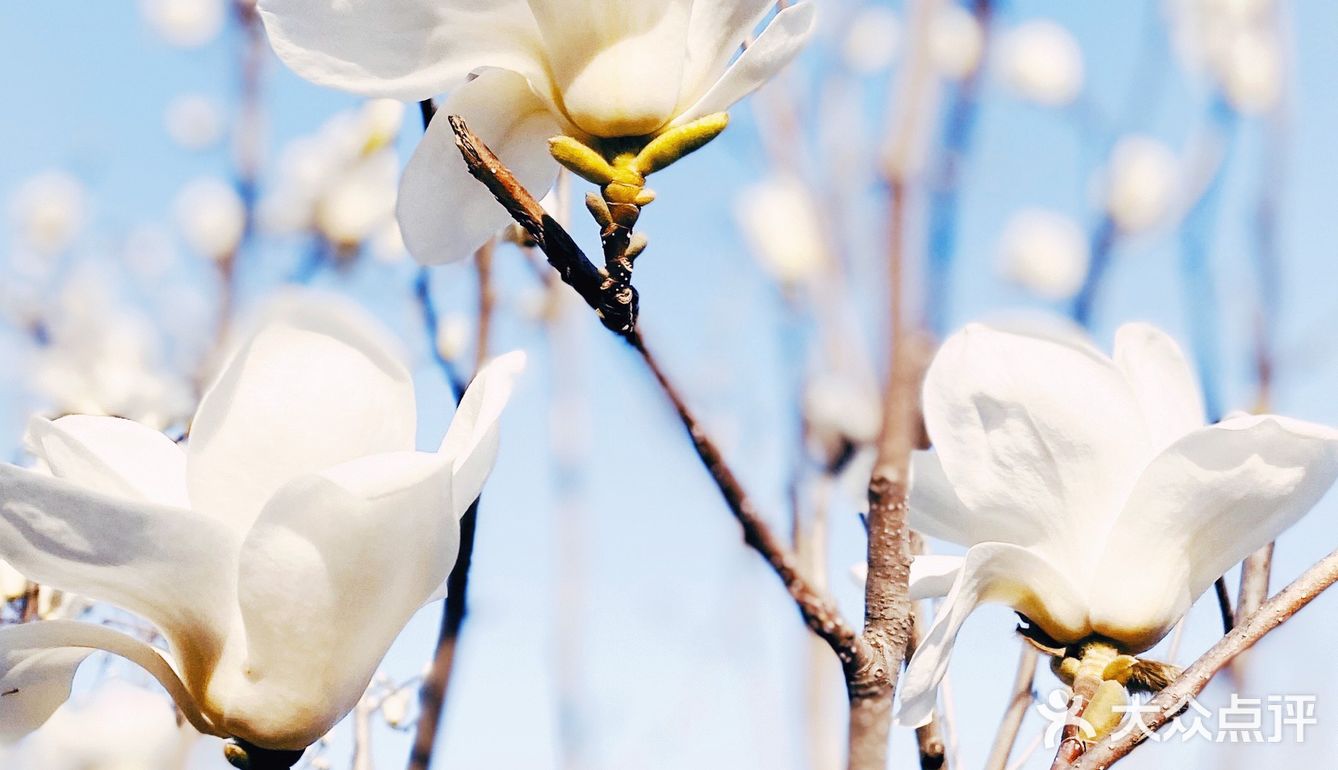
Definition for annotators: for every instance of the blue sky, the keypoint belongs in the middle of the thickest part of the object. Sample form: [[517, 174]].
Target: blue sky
[[675, 646]]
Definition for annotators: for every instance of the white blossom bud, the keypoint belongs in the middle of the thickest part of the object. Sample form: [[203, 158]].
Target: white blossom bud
[[1045, 252], [1252, 76], [395, 707], [1043, 62], [49, 211], [211, 217], [359, 201], [1141, 183], [452, 336], [387, 244], [185, 23], [782, 224], [839, 406], [956, 42], [194, 121], [872, 41]]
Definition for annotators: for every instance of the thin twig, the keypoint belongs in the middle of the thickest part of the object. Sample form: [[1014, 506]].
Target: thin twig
[[1191, 682], [618, 313], [1018, 703], [432, 696], [431, 318], [487, 301], [815, 605], [946, 187], [817, 608]]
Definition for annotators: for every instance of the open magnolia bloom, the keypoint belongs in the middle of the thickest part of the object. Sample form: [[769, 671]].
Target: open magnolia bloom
[[590, 69], [279, 554], [1090, 494]]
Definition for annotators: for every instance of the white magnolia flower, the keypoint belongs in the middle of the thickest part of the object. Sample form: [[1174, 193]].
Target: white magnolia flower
[[592, 69], [1045, 252], [279, 554], [116, 727], [1043, 62], [49, 211], [341, 181], [1090, 494], [211, 217], [1141, 184], [104, 358], [783, 225]]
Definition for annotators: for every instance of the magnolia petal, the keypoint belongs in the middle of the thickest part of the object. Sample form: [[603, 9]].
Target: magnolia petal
[[335, 566], [990, 572], [32, 686], [38, 662], [715, 33], [471, 442], [1040, 440], [445, 214], [403, 49], [113, 456], [318, 385], [936, 511], [1162, 381], [169, 565], [777, 46], [1204, 504], [617, 63], [932, 575]]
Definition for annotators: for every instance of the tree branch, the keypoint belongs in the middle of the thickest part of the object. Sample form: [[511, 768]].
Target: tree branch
[[1170, 701], [887, 604]]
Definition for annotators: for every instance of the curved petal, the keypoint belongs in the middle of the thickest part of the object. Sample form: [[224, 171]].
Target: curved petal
[[33, 684], [38, 662], [1162, 381], [932, 575], [471, 442], [715, 33], [991, 572], [113, 456], [444, 213], [171, 566], [617, 63], [404, 49], [1204, 504], [336, 565], [937, 511], [1040, 440], [319, 384], [777, 46]]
